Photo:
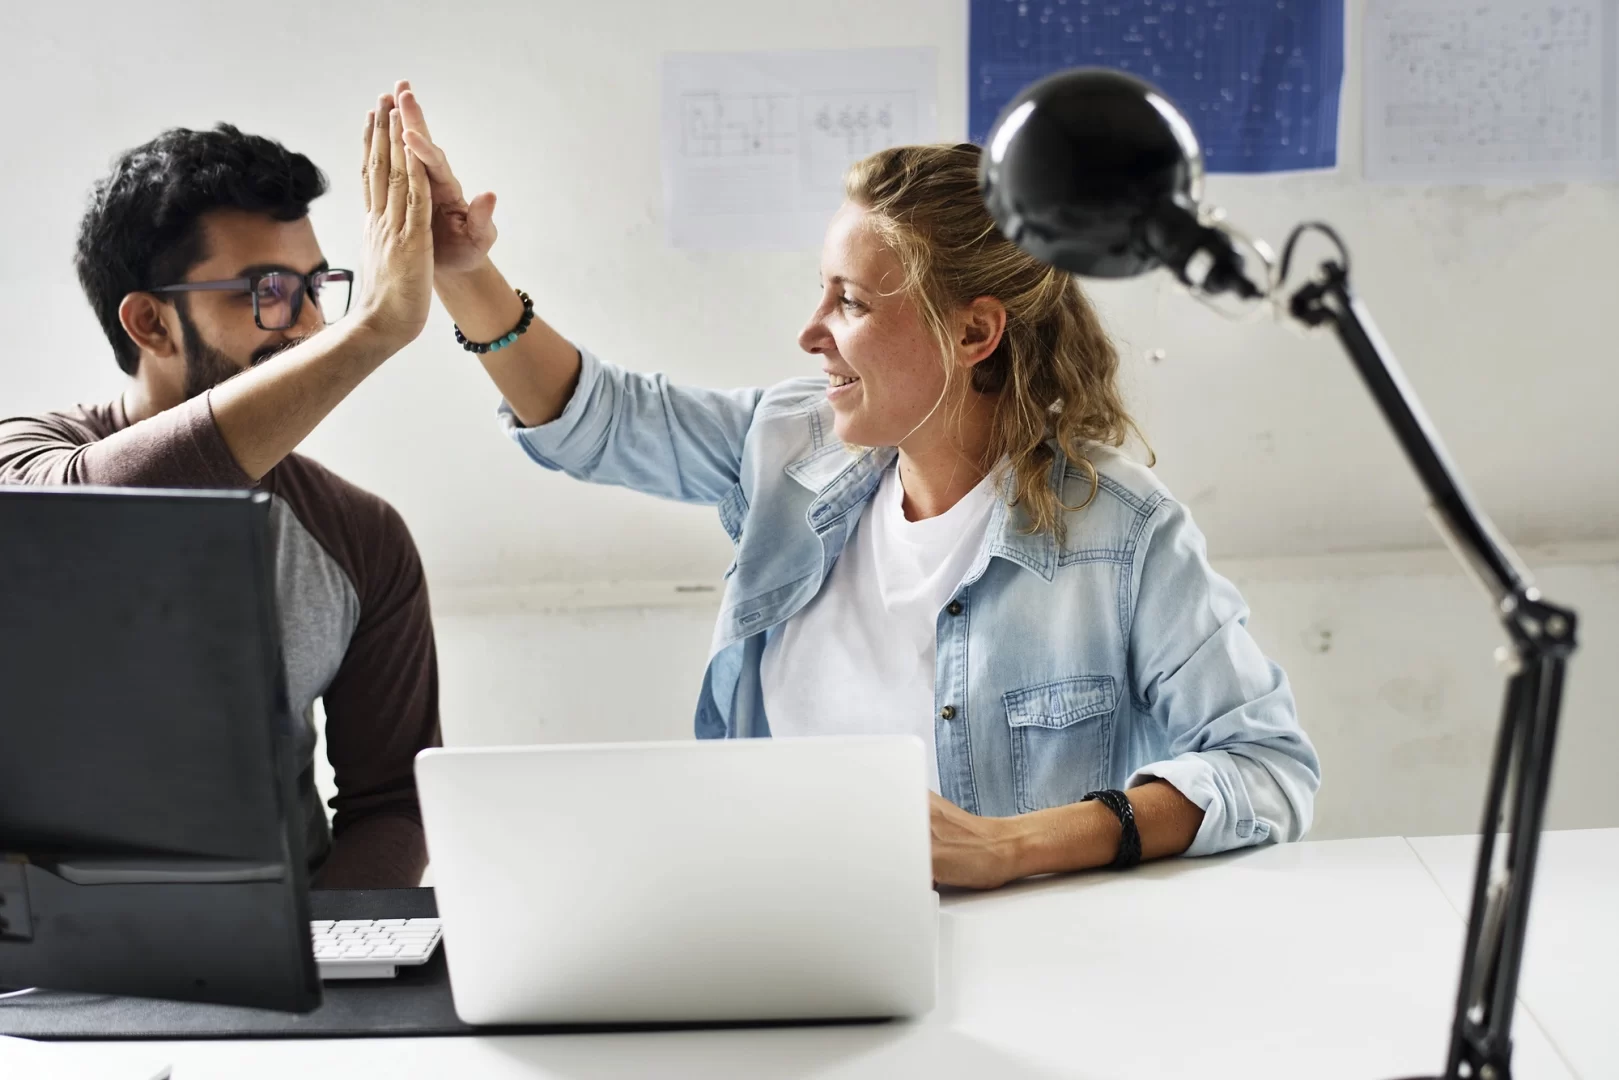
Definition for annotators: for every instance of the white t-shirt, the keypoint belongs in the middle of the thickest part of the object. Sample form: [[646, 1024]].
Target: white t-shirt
[[859, 658]]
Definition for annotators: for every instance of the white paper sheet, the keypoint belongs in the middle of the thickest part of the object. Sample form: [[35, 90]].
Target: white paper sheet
[[1472, 91], [755, 143], [24, 1059]]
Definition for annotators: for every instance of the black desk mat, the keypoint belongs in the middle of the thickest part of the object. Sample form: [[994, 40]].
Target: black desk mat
[[416, 1002]]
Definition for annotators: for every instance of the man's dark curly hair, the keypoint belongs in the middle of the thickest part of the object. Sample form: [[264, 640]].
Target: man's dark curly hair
[[143, 226]]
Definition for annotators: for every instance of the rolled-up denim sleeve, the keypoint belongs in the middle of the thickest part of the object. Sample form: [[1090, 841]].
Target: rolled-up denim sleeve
[[643, 432], [1236, 747]]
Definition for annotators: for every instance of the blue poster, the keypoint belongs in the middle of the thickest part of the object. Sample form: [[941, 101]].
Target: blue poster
[[1259, 79]]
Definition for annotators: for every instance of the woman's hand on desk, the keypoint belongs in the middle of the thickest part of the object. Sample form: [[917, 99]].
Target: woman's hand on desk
[[463, 232], [987, 852], [970, 851]]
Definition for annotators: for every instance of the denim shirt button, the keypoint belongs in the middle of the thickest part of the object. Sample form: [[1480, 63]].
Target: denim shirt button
[[948, 712], [955, 607]]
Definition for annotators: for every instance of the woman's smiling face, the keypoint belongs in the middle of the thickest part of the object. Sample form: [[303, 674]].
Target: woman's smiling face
[[884, 368]]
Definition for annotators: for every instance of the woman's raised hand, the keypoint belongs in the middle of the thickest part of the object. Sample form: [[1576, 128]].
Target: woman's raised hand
[[463, 232]]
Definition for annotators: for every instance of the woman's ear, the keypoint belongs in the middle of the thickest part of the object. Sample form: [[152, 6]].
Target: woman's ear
[[150, 324], [979, 328]]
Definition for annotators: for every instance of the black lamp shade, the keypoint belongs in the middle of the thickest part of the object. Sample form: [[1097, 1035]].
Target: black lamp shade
[[1078, 164]]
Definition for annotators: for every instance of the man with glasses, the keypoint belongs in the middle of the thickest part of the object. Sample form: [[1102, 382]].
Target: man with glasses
[[199, 259]]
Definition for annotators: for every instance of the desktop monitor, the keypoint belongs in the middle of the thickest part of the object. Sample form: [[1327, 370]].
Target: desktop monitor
[[150, 838]]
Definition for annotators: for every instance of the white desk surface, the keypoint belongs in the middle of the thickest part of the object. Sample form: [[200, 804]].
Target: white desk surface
[[1331, 959], [1571, 956]]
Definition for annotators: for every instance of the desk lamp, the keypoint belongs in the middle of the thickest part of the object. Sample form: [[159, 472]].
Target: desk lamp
[[1098, 173]]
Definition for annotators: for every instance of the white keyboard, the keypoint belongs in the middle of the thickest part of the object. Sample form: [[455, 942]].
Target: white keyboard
[[372, 948]]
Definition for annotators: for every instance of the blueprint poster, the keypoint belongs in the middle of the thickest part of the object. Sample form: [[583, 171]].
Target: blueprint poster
[[1259, 79]]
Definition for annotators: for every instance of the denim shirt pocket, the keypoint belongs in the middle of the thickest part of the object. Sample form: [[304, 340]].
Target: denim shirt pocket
[[733, 513], [1062, 739]]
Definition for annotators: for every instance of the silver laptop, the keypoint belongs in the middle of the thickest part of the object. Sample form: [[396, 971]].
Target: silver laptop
[[755, 879]]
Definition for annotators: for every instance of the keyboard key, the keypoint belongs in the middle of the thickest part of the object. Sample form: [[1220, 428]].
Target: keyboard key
[[352, 924], [391, 922]]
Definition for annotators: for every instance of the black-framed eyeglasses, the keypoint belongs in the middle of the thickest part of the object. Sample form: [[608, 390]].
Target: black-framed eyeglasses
[[278, 295]]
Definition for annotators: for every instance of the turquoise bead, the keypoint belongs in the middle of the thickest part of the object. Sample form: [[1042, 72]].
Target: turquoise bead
[[500, 343]]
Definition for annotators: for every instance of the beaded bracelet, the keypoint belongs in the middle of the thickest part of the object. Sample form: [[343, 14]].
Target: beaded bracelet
[[501, 342]]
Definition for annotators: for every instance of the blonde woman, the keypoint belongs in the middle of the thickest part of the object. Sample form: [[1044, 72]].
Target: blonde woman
[[935, 535]]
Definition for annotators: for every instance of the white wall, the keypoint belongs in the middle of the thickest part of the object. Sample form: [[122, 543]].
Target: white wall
[[1497, 299], [1392, 661]]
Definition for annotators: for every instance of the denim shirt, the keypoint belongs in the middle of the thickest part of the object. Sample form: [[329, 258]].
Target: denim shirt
[[1107, 660]]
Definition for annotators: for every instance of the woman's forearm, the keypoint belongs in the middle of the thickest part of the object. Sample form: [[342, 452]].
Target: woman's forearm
[[1085, 835], [536, 373]]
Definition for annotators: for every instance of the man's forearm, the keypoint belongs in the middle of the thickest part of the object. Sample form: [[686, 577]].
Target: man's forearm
[[383, 851], [265, 412], [1085, 835], [536, 373]]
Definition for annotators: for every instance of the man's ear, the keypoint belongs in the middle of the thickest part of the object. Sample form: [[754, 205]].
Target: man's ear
[[979, 329], [151, 324]]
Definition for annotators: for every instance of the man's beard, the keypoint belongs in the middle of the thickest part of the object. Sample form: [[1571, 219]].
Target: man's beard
[[207, 367]]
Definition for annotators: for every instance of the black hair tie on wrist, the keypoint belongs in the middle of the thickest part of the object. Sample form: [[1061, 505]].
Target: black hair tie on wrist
[[506, 339], [1129, 853]]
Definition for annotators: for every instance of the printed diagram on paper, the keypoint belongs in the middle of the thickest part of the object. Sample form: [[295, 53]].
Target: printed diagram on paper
[[843, 128], [1479, 91], [756, 144], [738, 125], [824, 132]]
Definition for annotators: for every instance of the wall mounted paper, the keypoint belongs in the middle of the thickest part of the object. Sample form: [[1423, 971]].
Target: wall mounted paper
[[1489, 90], [755, 144], [1259, 79]]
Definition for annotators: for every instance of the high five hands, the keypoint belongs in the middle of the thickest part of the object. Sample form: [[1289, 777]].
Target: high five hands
[[397, 288], [463, 232]]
